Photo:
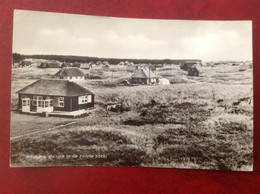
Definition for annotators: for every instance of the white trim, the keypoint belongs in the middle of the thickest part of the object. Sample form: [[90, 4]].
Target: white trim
[[60, 101], [85, 99]]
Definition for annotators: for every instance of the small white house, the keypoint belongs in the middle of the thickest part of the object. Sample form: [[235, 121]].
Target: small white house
[[73, 74]]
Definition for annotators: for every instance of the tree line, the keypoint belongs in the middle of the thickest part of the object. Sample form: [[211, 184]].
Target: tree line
[[85, 59]]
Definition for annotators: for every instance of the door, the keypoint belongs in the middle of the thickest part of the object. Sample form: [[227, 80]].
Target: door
[[35, 103], [39, 104], [26, 105]]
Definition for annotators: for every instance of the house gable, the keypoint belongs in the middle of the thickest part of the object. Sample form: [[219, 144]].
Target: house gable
[[70, 74], [144, 73]]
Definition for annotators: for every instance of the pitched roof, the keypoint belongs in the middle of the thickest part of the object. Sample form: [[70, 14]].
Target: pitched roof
[[55, 88], [85, 65], [186, 66], [76, 64], [195, 66], [53, 65], [69, 72], [66, 64], [26, 63], [143, 73], [49, 65]]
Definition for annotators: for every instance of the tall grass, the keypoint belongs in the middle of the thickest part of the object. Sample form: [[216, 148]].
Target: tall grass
[[192, 124]]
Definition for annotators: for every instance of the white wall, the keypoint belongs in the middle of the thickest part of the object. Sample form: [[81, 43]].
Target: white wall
[[46, 109], [73, 78]]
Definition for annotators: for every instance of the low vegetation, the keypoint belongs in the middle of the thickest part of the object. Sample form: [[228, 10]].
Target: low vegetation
[[203, 122]]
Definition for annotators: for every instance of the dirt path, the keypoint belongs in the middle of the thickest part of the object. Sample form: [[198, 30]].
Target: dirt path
[[41, 131]]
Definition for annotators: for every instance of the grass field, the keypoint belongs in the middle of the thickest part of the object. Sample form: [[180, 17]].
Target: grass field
[[203, 122]]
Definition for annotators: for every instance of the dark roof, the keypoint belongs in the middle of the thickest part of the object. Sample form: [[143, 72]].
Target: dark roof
[[66, 64], [143, 73], [55, 88], [189, 64], [193, 68], [49, 65], [86, 65], [53, 65], [69, 72], [185, 66], [25, 63], [76, 64]]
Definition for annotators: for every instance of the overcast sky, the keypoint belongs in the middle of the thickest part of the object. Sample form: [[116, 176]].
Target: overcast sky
[[96, 36]]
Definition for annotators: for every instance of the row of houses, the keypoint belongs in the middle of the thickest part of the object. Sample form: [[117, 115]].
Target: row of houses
[[23, 63], [142, 75], [229, 63], [63, 95], [128, 66], [54, 64], [57, 64]]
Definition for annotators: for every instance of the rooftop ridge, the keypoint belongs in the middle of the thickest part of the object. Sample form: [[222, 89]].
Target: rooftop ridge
[[55, 88]]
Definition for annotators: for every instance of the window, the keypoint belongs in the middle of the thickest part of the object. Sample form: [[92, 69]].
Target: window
[[70, 77], [89, 98], [41, 103], [51, 103], [25, 103], [34, 102], [85, 99], [24, 96], [61, 101], [48, 102], [39, 97], [35, 99]]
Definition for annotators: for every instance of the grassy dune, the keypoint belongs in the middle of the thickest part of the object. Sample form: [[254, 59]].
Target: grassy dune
[[201, 122]]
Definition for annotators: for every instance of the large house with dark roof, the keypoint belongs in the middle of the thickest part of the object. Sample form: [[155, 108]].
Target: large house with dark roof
[[143, 76], [72, 74], [54, 95]]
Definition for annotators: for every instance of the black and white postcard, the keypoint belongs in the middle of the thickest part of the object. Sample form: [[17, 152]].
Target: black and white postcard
[[107, 91]]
